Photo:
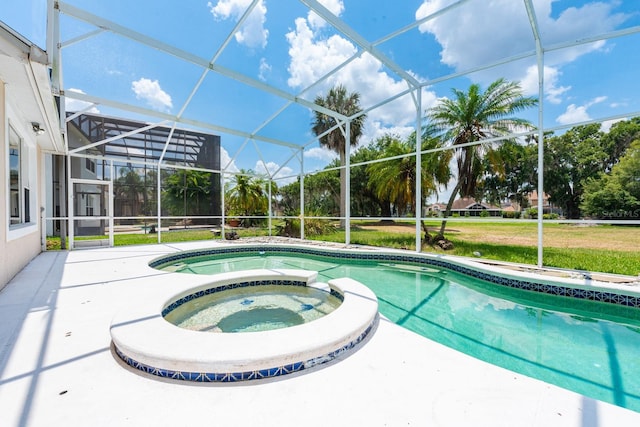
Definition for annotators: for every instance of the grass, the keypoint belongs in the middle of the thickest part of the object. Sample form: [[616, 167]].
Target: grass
[[53, 242], [607, 249]]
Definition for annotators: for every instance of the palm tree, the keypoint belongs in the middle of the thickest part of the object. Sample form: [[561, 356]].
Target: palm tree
[[347, 104], [473, 116], [128, 189], [246, 195], [189, 191], [395, 179]]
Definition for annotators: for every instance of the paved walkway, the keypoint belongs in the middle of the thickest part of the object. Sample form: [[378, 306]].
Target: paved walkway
[[57, 368]]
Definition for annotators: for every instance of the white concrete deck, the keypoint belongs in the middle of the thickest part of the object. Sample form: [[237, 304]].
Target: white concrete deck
[[57, 368]]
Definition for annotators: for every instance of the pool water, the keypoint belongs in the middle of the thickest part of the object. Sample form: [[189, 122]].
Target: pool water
[[589, 347], [253, 309]]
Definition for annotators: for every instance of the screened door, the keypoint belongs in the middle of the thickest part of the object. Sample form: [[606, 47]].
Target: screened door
[[91, 214]]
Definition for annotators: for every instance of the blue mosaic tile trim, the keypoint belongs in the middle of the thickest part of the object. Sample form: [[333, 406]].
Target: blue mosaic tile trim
[[337, 294], [586, 294], [203, 292], [230, 377]]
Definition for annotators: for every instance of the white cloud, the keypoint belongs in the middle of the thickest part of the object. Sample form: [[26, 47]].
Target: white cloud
[[264, 70], [284, 175], [75, 105], [313, 56], [574, 114], [311, 59], [552, 90], [578, 113], [252, 33], [502, 29], [375, 130], [335, 6], [606, 125], [225, 162], [151, 92], [321, 154]]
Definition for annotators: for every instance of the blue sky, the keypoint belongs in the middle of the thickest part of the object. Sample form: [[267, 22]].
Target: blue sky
[[286, 47]]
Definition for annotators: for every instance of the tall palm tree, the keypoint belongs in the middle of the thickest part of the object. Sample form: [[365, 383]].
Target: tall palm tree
[[473, 116], [347, 104], [394, 180]]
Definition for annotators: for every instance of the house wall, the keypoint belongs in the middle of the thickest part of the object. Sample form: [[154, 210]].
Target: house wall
[[18, 245]]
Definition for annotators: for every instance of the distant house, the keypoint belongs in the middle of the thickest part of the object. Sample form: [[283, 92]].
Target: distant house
[[436, 209], [547, 206], [466, 206]]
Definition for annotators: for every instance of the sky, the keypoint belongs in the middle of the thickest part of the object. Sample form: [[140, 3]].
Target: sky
[[285, 46]]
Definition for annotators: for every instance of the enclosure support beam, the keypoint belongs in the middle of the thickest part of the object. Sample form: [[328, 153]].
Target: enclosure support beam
[[540, 60], [301, 194], [270, 203], [418, 169], [224, 220], [347, 184], [158, 203]]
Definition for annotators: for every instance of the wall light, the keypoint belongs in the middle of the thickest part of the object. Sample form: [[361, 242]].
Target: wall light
[[39, 130]]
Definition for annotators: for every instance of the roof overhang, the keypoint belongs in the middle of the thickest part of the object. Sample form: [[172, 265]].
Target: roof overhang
[[25, 70]]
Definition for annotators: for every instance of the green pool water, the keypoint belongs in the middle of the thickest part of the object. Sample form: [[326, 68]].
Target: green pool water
[[588, 347]]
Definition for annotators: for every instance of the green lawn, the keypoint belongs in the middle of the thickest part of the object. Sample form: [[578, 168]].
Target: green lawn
[[606, 249]]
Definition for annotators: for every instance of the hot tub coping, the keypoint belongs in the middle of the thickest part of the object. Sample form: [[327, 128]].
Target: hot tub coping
[[146, 341]]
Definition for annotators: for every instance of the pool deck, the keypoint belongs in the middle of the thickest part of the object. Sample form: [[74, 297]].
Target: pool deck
[[57, 367]]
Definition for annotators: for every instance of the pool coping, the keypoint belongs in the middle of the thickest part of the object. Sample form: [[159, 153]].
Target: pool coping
[[57, 364], [581, 287], [143, 339]]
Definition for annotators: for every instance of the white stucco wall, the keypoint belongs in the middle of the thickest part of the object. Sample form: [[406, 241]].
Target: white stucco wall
[[18, 245]]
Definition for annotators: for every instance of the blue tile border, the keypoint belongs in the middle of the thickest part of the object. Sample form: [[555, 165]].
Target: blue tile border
[[555, 289], [177, 303], [230, 377]]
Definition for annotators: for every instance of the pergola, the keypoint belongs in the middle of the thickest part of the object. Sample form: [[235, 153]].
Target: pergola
[[208, 71]]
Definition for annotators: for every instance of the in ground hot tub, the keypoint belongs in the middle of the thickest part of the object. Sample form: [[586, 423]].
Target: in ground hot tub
[[253, 308], [148, 341]]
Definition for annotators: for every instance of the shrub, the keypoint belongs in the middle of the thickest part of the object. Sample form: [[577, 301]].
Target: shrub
[[511, 214], [312, 226], [484, 214]]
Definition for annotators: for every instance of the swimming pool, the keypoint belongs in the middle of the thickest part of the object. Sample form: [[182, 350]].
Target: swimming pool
[[578, 343]]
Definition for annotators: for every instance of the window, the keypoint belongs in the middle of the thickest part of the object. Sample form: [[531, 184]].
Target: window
[[16, 215], [90, 204], [90, 165]]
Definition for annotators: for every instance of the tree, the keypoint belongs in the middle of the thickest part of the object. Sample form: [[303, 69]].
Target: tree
[[129, 192], [347, 104], [321, 193], [188, 192], [570, 160], [471, 117], [364, 200], [616, 195], [619, 138], [246, 196], [515, 178], [394, 180]]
